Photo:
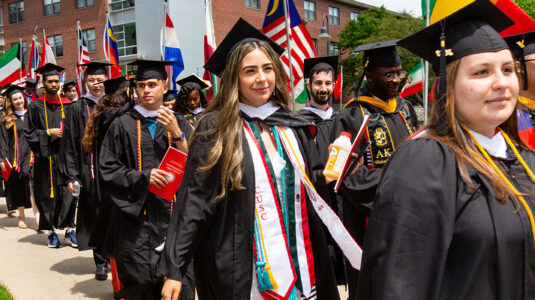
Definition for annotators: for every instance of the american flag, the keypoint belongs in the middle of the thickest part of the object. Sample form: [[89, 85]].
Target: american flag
[[302, 45], [35, 59], [83, 58]]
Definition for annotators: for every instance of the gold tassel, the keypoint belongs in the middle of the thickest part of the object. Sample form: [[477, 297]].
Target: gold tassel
[[271, 278], [51, 182]]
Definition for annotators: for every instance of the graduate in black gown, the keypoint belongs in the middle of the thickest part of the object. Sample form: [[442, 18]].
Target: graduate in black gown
[[169, 99], [29, 91], [14, 147], [392, 120], [129, 157], [69, 90], [191, 101], [78, 165], [43, 130], [453, 210], [241, 163]]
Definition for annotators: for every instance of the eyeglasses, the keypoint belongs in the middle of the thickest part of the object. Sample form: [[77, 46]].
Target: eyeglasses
[[393, 75]]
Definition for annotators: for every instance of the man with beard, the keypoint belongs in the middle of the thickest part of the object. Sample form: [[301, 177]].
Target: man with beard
[[392, 120], [79, 165], [43, 130]]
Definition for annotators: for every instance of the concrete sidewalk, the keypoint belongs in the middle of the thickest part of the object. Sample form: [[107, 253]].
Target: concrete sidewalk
[[31, 270]]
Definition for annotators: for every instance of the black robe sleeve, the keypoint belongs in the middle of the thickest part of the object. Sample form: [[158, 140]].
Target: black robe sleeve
[[4, 142], [36, 137], [70, 144], [411, 225], [127, 186]]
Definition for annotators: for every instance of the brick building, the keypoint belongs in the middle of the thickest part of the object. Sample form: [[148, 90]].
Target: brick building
[[58, 17]]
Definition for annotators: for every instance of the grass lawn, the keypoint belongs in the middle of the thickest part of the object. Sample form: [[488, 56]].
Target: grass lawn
[[4, 293]]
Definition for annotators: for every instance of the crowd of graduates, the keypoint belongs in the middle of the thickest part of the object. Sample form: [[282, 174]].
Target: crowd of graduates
[[443, 211]]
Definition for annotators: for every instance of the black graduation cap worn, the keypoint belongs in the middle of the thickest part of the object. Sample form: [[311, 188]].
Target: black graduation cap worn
[[30, 82], [12, 89], [68, 83], [241, 32], [195, 79], [151, 69], [50, 70], [96, 67], [114, 84], [169, 96], [471, 30], [521, 45], [380, 54], [310, 63]]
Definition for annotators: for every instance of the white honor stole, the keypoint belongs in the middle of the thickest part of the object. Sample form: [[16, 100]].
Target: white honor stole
[[272, 231]]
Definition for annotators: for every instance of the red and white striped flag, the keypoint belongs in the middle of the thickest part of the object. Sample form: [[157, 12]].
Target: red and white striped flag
[[302, 45], [83, 58]]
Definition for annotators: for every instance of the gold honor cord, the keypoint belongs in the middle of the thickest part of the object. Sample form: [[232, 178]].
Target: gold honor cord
[[49, 156], [502, 176]]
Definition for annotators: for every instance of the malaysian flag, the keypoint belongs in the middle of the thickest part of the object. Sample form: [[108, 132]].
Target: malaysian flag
[[83, 58], [301, 43], [35, 59]]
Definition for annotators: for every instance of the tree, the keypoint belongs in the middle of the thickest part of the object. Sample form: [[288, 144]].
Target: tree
[[528, 6], [374, 26]]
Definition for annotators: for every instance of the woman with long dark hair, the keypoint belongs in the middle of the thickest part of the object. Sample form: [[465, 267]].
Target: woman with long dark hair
[[191, 101]]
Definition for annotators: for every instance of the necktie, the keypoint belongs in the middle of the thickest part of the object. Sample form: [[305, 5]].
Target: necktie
[[151, 124]]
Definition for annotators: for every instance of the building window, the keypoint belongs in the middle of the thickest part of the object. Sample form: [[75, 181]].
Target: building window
[[125, 35], [315, 41], [354, 16], [16, 12], [83, 3], [333, 49], [310, 10], [252, 4], [334, 15], [120, 4], [56, 43], [52, 7], [90, 39], [24, 59]]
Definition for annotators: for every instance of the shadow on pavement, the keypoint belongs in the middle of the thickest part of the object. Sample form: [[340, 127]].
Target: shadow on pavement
[[36, 238], [94, 289], [75, 265]]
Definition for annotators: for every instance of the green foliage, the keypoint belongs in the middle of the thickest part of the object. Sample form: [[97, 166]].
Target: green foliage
[[4, 293], [528, 6], [375, 26]]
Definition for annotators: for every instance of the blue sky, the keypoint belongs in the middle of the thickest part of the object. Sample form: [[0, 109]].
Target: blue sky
[[414, 7]]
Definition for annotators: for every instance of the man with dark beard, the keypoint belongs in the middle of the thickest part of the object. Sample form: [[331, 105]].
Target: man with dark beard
[[392, 120]]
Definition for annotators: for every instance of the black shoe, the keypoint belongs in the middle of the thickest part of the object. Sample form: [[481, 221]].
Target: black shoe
[[101, 274]]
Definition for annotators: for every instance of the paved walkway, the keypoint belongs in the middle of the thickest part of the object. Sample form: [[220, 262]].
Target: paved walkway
[[33, 271]]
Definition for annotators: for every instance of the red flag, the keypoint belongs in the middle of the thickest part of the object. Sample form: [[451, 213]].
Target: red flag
[[432, 93], [338, 86], [523, 22]]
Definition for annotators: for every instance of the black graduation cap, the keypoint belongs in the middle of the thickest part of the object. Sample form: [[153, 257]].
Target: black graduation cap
[[30, 82], [195, 79], [49, 70], [114, 84], [380, 54], [151, 69], [96, 67], [68, 83], [241, 32], [521, 45], [169, 96], [310, 63], [12, 89], [471, 30]]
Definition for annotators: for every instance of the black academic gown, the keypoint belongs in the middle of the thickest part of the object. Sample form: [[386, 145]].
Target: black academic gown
[[430, 236], [218, 234], [77, 165], [18, 185], [138, 219], [43, 146], [358, 189]]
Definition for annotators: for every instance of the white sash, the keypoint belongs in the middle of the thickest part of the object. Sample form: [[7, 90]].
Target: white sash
[[337, 230]]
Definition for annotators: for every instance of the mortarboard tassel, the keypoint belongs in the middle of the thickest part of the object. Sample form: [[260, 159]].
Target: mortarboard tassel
[[523, 64], [442, 126]]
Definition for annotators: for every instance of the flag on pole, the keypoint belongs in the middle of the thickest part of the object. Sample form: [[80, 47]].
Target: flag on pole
[[414, 82], [172, 52], [209, 48], [34, 60], [83, 58], [302, 45], [47, 54], [110, 50], [10, 65], [338, 86]]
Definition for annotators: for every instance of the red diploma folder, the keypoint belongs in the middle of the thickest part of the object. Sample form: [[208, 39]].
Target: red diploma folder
[[8, 167], [174, 163]]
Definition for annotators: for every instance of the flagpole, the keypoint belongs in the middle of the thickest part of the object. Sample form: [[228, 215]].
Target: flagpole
[[108, 42], [21, 62], [426, 69], [78, 30], [289, 48]]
